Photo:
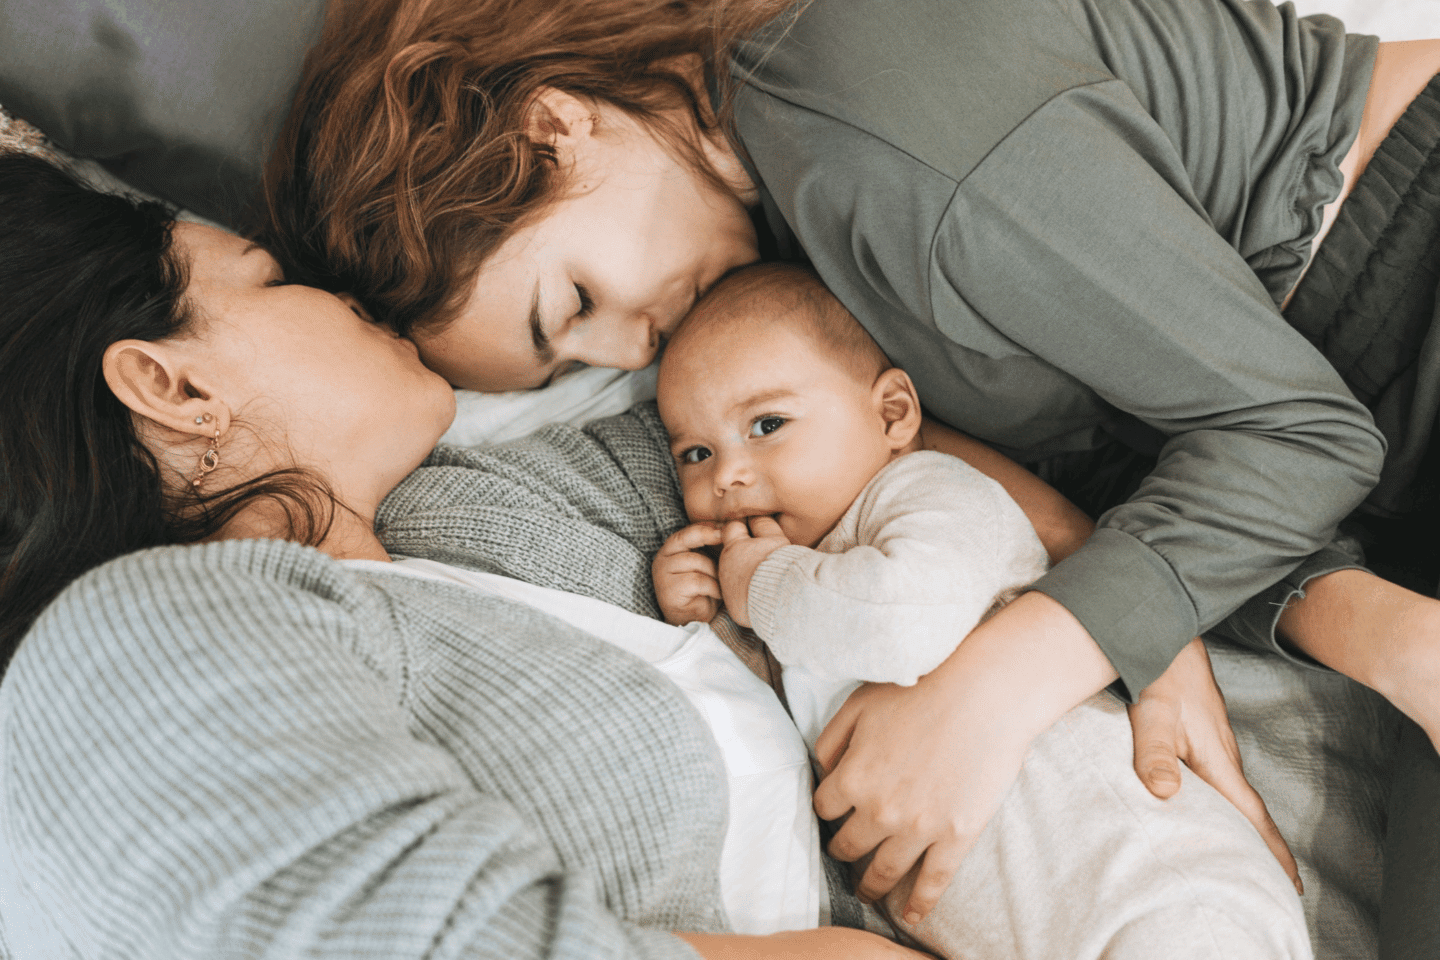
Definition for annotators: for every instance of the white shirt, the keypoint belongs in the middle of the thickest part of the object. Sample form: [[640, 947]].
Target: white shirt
[[770, 873]]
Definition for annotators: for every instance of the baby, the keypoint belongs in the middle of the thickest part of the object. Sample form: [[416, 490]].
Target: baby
[[865, 557], [859, 556]]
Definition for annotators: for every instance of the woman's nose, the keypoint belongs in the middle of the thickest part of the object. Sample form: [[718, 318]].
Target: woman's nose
[[626, 343]]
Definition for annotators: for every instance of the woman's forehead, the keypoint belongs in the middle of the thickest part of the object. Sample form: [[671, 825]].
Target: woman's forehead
[[214, 256], [508, 283]]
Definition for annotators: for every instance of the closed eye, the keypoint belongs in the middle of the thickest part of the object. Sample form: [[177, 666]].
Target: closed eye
[[694, 454], [764, 426], [587, 302]]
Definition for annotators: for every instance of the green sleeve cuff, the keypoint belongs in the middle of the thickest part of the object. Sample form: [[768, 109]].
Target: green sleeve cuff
[[1253, 625], [1129, 600]]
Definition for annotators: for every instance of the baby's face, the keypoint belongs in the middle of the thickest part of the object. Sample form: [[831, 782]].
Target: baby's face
[[761, 423]]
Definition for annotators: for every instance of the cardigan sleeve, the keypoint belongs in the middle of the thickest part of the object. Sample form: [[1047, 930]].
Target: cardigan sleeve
[[203, 755], [1079, 241], [577, 510], [927, 548]]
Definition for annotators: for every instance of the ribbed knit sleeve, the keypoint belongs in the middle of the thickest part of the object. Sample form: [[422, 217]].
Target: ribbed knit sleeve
[[232, 750], [577, 510]]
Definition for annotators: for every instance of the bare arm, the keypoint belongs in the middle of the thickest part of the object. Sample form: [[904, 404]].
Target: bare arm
[[1061, 526], [822, 944], [1159, 729]]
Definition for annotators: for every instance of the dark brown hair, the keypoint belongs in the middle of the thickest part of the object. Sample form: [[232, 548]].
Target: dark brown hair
[[405, 161], [788, 293], [82, 270]]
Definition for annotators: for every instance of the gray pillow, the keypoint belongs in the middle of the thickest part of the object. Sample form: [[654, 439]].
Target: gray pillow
[[178, 97]]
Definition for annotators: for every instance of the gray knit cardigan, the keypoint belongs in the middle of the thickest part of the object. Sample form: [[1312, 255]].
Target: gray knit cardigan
[[246, 749]]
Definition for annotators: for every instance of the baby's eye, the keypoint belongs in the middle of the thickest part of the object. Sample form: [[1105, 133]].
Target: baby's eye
[[694, 455], [766, 425]]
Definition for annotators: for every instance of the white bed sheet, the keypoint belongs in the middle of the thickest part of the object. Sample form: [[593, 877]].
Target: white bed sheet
[[1387, 19]]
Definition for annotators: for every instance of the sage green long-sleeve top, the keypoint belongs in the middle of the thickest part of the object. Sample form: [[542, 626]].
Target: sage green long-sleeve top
[[1070, 220]]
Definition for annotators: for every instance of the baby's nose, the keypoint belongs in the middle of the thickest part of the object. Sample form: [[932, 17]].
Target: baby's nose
[[732, 471]]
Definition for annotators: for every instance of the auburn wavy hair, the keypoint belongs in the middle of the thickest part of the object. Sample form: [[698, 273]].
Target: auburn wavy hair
[[404, 162]]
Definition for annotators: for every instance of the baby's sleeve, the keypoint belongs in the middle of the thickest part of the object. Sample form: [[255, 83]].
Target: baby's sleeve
[[917, 562]]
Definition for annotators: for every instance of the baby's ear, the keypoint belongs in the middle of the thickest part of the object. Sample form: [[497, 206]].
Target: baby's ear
[[899, 406]]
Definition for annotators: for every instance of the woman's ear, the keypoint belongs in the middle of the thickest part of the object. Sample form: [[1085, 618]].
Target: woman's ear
[[559, 119], [150, 378], [899, 406]]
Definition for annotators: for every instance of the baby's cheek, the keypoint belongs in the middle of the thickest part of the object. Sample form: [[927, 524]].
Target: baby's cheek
[[698, 505], [796, 530]]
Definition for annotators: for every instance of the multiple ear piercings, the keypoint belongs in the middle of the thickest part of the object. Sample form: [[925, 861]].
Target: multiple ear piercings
[[210, 459]]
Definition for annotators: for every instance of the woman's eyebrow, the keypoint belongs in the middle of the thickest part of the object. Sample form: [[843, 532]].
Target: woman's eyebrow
[[544, 352]]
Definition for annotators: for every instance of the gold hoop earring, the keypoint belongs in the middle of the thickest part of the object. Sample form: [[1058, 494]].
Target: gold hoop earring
[[210, 459]]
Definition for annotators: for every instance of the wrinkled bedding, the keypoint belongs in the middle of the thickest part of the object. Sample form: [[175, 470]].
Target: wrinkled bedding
[[1315, 745]]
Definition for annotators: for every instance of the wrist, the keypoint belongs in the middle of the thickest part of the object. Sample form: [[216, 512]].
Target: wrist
[[1364, 627]]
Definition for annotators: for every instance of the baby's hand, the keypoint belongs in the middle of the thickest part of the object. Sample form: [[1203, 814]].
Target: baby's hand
[[745, 549], [686, 582]]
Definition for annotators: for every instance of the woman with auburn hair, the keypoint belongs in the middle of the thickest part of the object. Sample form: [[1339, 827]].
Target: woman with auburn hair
[[1074, 225]]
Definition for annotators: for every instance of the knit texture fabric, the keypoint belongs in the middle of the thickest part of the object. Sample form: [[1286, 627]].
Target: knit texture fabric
[[577, 511], [927, 548], [244, 748]]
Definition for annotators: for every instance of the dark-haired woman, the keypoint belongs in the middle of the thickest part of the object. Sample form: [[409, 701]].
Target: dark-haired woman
[[1073, 223], [263, 738]]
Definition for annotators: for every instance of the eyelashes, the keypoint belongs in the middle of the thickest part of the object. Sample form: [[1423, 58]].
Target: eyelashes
[[759, 427], [587, 302], [694, 455], [764, 426]]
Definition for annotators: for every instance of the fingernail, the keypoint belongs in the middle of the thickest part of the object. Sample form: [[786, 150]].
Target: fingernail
[[1299, 887], [912, 918]]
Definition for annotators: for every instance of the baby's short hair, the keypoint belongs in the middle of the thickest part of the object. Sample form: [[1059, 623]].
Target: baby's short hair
[[787, 293]]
